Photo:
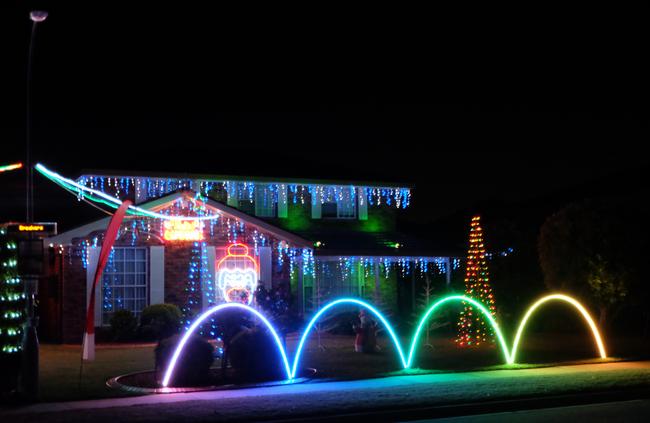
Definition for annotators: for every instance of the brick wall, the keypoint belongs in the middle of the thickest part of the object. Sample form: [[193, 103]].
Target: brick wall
[[73, 310], [177, 260]]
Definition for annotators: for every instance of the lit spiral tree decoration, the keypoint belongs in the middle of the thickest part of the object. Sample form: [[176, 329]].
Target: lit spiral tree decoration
[[472, 330], [12, 298]]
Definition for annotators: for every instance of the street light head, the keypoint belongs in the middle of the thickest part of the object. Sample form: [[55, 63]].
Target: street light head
[[38, 15]]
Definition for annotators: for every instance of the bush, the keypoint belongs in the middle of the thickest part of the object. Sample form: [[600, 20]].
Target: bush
[[341, 323], [160, 321], [254, 356], [193, 365], [123, 325], [276, 306]]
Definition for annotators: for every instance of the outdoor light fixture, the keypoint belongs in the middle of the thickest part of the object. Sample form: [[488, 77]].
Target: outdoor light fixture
[[38, 15], [406, 361], [7, 168]]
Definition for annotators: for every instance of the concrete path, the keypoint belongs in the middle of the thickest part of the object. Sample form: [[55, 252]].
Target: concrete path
[[620, 411], [326, 398]]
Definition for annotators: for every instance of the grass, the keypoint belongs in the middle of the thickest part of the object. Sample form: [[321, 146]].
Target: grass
[[59, 370], [335, 358]]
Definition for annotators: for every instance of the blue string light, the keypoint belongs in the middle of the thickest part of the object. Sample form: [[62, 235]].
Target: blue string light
[[245, 190]]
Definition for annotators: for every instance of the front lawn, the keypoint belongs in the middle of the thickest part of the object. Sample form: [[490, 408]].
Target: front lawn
[[59, 367], [59, 370]]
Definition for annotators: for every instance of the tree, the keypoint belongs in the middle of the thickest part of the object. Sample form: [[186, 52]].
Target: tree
[[276, 303], [472, 328], [589, 249], [424, 301], [320, 294], [608, 284]]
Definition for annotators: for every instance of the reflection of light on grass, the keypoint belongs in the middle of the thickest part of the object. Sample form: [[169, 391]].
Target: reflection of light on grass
[[413, 372]]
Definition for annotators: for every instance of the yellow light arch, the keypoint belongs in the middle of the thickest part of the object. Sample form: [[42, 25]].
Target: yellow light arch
[[557, 297]]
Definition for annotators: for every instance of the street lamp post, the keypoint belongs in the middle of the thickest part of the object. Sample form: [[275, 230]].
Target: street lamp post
[[28, 382], [37, 16]]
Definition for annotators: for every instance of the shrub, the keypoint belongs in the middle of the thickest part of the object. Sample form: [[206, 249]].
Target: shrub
[[254, 356], [193, 365], [123, 325], [160, 321], [342, 322], [276, 305]]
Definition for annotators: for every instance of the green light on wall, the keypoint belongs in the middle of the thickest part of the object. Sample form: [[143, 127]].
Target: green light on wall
[[378, 221], [298, 218]]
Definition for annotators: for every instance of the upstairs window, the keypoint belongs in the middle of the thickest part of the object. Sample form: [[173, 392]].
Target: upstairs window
[[329, 210], [345, 208], [245, 197], [246, 206], [265, 204]]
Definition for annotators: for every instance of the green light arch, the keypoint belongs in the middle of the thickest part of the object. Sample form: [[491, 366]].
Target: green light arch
[[458, 298]]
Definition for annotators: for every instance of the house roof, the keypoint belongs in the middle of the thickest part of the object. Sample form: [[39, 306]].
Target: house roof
[[65, 238], [216, 177], [333, 241]]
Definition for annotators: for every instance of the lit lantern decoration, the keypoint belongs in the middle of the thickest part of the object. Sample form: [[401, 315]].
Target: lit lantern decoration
[[237, 275], [182, 230]]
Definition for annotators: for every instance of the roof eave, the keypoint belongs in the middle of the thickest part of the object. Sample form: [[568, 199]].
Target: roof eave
[[239, 178]]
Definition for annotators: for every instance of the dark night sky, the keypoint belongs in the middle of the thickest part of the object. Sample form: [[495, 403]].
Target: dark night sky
[[499, 113]]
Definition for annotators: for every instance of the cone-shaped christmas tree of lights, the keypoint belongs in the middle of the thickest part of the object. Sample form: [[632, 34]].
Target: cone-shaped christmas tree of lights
[[473, 329]]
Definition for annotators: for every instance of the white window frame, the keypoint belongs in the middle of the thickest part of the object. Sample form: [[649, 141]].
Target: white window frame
[[262, 192], [339, 214], [352, 208], [111, 272]]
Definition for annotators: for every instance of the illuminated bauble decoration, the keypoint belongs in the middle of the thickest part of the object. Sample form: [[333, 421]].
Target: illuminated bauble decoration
[[237, 275], [182, 230]]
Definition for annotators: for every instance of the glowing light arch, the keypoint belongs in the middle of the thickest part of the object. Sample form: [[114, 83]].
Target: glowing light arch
[[558, 297], [291, 371], [361, 303], [486, 313], [179, 348]]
